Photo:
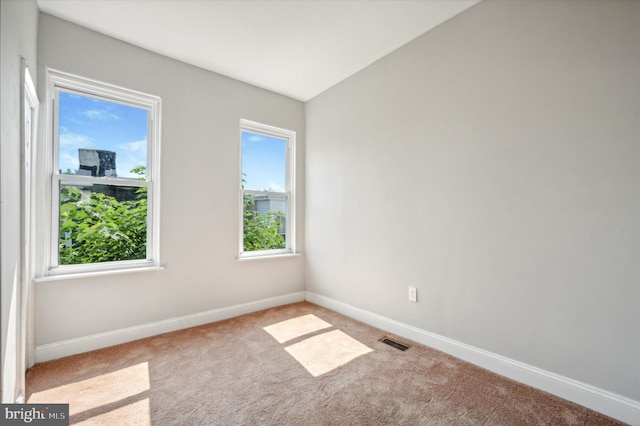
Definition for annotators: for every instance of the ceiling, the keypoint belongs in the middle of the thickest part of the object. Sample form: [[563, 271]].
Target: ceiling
[[296, 48]]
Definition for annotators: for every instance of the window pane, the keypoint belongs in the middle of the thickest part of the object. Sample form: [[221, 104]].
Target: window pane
[[263, 162], [102, 223], [101, 138], [265, 220]]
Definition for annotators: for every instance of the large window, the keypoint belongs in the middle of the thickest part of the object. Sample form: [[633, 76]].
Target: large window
[[104, 176], [267, 184]]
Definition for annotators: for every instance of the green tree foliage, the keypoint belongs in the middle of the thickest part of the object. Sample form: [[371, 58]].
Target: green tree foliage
[[96, 227], [261, 229]]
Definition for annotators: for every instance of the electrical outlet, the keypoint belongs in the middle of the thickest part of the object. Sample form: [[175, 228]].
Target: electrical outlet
[[413, 294]]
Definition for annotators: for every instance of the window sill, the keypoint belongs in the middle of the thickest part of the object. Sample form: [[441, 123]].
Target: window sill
[[246, 257], [71, 276]]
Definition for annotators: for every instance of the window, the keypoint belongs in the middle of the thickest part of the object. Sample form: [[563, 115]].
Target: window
[[104, 176], [267, 190]]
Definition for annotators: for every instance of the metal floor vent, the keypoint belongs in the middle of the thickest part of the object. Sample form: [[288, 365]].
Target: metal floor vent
[[394, 343]]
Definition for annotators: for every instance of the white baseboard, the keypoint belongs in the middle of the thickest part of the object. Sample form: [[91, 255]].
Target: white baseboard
[[102, 340], [608, 403]]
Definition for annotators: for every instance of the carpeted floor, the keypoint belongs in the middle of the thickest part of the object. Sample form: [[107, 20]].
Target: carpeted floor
[[298, 364]]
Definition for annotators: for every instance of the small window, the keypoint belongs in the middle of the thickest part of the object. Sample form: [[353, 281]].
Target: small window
[[105, 144], [267, 190]]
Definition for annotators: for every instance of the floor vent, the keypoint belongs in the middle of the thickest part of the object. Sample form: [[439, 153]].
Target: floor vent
[[394, 343]]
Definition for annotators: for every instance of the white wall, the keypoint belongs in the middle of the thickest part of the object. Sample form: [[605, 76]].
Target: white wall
[[201, 114], [494, 163], [18, 29]]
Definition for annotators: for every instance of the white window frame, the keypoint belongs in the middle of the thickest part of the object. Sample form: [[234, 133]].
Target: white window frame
[[289, 136], [60, 81]]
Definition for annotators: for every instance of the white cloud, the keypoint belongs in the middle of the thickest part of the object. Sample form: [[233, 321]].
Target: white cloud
[[68, 161], [274, 187], [100, 114], [69, 139], [124, 168], [131, 155], [255, 138], [135, 146]]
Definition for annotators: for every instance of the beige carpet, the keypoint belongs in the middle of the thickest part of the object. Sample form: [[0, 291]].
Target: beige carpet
[[294, 365]]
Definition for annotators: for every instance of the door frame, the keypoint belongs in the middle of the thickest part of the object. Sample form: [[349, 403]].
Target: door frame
[[28, 141]]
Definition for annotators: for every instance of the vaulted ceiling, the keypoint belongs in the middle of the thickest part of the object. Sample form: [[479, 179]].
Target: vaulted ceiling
[[296, 48]]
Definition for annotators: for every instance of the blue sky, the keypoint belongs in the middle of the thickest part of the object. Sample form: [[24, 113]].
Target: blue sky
[[96, 124], [263, 162]]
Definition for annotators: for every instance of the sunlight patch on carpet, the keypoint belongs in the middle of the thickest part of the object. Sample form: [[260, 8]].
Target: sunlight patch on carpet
[[296, 327], [325, 352], [105, 390]]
